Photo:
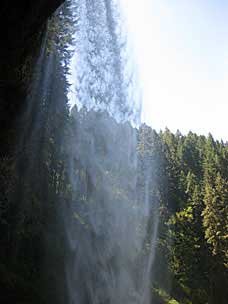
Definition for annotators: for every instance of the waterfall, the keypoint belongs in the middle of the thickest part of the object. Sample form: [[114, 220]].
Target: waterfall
[[101, 248], [101, 67], [106, 224]]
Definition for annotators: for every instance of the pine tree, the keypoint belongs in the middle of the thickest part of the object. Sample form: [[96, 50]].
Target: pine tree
[[215, 217]]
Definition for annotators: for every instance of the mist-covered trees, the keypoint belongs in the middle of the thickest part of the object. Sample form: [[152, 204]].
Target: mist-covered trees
[[33, 178]]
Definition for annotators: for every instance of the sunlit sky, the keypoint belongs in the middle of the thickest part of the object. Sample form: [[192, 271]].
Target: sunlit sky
[[181, 48]]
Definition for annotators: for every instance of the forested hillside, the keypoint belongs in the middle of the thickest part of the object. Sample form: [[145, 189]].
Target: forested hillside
[[191, 174]]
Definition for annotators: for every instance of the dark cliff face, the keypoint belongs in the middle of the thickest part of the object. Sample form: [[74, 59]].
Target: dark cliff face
[[21, 26]]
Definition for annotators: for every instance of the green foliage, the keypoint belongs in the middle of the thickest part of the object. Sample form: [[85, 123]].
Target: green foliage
[[215, 217], [195, 231]]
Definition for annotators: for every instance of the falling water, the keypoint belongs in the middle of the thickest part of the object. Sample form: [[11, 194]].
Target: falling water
[[101, 67], [108, 219], [107, 226]]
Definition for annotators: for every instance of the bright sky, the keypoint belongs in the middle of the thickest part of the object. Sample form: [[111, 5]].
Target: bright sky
[[181, 49]]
